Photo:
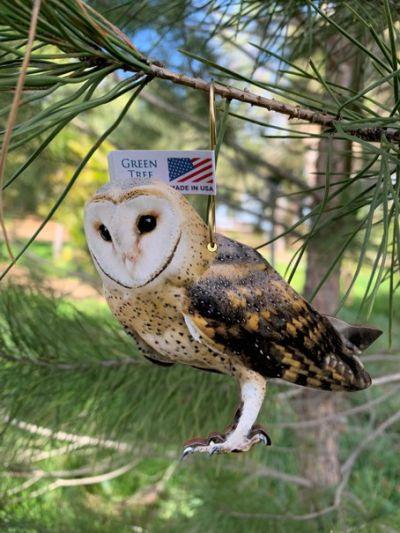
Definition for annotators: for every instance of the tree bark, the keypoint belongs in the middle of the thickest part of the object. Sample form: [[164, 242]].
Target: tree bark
[[319, 448]]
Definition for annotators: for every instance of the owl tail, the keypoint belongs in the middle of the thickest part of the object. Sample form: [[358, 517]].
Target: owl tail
[[356, 338]]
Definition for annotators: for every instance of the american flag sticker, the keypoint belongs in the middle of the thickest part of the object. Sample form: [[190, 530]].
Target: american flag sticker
[[188, 171]]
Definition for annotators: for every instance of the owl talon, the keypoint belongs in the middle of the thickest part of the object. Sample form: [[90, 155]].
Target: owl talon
[[188, 450], [217, 443], [214, 449], [208, 445], [192, 445], [259, 431]]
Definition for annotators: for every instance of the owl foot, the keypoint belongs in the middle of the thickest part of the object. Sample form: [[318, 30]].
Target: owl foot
[[243, 434], [230, 443]]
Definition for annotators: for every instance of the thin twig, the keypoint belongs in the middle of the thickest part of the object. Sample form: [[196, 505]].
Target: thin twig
[[13, 115], [90, 480], [386, 379], [36, 477], [34, 456], [379, 358], [83, 440], [149, 495], [349, 463], [257, 470], [342, 414]]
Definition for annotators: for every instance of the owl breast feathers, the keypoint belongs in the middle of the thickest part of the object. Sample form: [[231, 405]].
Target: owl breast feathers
[[241, 305]]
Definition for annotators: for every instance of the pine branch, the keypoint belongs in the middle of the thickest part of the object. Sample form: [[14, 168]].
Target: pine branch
[[75, 482], [293, 112], [257, 470], [62, 436], [110, 49]]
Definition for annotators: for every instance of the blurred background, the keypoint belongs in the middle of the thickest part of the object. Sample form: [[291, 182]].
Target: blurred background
[[91, 434]]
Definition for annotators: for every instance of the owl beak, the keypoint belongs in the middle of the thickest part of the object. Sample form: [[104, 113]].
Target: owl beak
[[130, 258]]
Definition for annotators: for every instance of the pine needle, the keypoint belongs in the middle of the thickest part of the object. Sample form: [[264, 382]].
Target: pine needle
[[13, 115]]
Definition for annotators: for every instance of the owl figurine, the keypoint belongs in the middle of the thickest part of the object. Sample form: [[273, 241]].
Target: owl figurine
[[227, 311]]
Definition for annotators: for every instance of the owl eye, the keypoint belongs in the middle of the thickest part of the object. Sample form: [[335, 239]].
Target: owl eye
[[104, 233], [146, 223]]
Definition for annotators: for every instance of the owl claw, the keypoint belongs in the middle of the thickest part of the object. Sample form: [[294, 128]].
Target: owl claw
[[188, 450], [214, 450], [192, 445], [217, 443], [203, 445], [260, 432], [210, 448]]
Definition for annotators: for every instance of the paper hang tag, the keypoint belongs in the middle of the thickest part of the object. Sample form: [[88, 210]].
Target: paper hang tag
[[187, 171]]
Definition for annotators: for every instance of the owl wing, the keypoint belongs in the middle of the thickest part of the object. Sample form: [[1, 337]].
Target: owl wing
[[241, 306]]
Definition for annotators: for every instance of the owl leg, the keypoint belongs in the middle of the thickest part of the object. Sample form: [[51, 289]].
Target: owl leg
[[244, 434]]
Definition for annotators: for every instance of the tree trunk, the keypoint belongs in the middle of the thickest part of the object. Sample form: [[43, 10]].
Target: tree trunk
[[320, 462], [318, 446]]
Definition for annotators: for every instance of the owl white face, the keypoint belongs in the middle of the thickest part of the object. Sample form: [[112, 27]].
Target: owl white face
[[132, 241]]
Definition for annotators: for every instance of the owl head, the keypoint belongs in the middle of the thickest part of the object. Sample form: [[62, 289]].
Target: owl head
[[139, 234]]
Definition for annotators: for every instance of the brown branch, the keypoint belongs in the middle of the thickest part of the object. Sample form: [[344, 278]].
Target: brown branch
[[82, 440], [91, 480], [34, 456], [257, 470], [326, 120], [292, 111], [382, 380], [379, 358]]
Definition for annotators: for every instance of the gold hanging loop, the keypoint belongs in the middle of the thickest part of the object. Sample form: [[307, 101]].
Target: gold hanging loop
[[212, 244]]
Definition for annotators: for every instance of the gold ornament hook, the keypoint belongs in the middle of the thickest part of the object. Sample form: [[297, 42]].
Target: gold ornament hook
[[212, 245]]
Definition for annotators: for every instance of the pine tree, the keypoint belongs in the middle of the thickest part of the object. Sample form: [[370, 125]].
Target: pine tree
[[84, 408]]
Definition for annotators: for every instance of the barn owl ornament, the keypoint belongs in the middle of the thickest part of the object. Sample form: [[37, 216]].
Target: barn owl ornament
[[226, 312]]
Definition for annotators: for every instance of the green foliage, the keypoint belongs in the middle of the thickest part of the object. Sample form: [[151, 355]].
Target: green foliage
[[93, 372], [55, 377]]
